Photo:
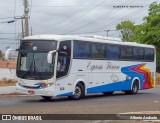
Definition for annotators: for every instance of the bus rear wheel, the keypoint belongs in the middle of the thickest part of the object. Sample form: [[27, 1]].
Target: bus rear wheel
[[78, 92], [46, 97], [135, 88]]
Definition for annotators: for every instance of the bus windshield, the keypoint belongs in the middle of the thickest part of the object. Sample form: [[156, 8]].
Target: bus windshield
[[32, 60]]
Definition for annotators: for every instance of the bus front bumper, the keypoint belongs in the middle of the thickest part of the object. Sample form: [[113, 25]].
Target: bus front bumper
[[48, 91]]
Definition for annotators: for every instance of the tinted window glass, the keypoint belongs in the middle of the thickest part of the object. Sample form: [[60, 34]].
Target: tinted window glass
[[149, 54], [63, 62], [81, 49], [126, 52], [38, 45], [113, 52], [98, 50], [138, 53], [65, 48]]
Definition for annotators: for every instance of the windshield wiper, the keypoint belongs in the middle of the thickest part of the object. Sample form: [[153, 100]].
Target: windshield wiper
[[29, 71], [36, 70], [33, 69]]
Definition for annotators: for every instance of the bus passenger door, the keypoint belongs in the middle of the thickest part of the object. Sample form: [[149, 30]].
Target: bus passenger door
[[63, 64]]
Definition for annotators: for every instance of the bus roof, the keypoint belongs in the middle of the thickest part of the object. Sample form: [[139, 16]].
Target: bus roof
[[92, 38]]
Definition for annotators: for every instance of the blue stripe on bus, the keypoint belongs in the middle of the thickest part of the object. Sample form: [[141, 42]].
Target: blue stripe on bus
[[133, 74], [66, 94]]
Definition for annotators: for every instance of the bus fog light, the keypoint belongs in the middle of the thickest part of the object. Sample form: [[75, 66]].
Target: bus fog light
[[49, 84], [19, 84]]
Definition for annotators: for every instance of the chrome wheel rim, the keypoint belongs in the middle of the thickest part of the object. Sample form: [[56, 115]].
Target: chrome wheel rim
[[135, 88], [77, 91]]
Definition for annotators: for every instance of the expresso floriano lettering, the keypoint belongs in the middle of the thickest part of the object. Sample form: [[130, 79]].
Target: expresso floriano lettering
[[109, 65]]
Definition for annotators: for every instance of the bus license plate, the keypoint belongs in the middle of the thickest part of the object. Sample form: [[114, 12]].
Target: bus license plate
[[31, 91]]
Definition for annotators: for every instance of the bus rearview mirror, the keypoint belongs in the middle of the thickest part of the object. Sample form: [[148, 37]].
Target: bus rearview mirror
[[6, 57], [50, 56]]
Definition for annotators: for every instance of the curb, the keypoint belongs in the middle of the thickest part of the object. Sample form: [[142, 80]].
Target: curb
[[8, 89]]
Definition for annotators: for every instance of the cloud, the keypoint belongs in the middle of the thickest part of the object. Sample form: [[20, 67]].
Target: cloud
[[72, 16]]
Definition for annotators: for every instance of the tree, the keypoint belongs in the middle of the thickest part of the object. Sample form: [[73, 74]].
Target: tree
[[127, 30], [147, 33]]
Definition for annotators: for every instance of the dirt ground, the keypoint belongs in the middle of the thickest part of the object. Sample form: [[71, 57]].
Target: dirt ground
[[8, 64], [7, 82], [157, 78]]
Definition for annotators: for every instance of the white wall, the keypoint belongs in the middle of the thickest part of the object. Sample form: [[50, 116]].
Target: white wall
[[7, 73]]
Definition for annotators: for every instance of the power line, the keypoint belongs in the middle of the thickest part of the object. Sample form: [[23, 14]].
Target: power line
[[7, 18], [9, 42], [8, 33], [8, 39], [87, 32], [131, 14], [108, 25], [99, 18], [112, 23], [75, 20], [71, 6], [56, 6]]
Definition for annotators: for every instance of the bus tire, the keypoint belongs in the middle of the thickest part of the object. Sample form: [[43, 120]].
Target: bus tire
[[46, 97], [78, 92], [107, 93], [135, 88]]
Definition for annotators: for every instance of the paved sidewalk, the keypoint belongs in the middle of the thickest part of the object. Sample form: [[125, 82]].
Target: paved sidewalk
[[7, 89]]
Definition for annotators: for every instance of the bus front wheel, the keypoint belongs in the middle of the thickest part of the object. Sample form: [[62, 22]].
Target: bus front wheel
[[78, 92]]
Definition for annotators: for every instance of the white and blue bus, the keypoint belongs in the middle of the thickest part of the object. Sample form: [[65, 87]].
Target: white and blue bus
[[73, 66]]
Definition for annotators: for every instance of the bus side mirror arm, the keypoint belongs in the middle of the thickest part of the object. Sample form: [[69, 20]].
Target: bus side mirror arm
[[6, 57], [50, 56]]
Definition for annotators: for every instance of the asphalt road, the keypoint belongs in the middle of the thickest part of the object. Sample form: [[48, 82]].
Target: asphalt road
[[146, 100]]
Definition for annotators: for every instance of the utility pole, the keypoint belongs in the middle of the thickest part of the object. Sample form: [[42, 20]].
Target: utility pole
[[26, 25], [22, 19], [31, 30], [107, 31]]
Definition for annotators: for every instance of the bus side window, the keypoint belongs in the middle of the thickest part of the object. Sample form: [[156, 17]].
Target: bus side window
[[113, 52], [81, 49], [98, 51], [138, 53], [126, 53], [149, 54]]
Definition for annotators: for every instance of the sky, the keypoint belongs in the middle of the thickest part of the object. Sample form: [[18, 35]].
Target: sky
[[68, 17]]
